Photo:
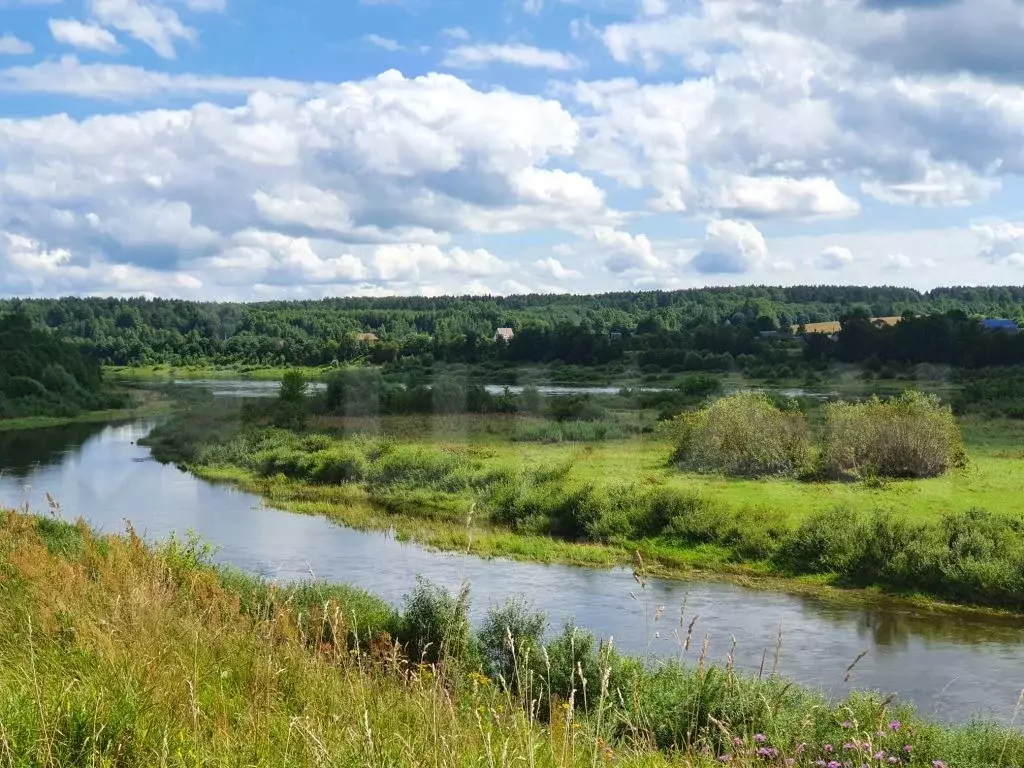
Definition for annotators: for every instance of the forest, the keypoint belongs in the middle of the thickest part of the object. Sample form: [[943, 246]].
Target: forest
[[751, 329], [41, 374]]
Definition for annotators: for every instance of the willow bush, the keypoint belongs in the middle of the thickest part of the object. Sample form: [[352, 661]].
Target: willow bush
[[909, 436], [744, 434]]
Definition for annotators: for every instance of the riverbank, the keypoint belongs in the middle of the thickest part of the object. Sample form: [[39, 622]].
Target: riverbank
[[145, 402], [471, 534], [598, 503], [117, 652]]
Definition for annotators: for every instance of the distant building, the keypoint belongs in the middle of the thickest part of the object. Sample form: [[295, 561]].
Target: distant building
[[834, 326], [504, 334], [1000, 326], [367, 338]]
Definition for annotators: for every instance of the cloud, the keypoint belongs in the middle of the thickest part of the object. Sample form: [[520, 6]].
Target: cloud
[[898, 262], [13, 46], [627, 252], [1002, 242], [157, 26], [87, 36], [384, 42], [834, 257], [533, 7], [754, 196], [388, 171], [552, 267], [455, 33], [470, 56], [68, 76], [730, 247]]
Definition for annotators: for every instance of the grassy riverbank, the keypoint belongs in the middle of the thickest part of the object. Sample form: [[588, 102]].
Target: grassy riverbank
[[957, 538], [117, 653]]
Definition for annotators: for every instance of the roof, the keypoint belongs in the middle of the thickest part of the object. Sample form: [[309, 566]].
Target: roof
[[366, 337], [1000, 323], [834, 326], [505, 333]]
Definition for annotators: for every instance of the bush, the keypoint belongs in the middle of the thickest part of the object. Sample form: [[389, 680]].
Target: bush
[[435, 624], [909, 436], [744, 434], [510, 638]]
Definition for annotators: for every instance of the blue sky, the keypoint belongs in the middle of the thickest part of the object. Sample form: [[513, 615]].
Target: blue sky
[[237, 149]]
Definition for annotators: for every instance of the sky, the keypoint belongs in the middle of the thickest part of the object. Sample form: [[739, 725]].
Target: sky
[[275, 149]]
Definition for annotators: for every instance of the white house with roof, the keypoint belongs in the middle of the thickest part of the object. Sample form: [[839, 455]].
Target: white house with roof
[[504, 335]]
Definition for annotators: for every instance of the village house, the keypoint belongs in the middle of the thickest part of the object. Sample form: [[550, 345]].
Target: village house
[[504, 334]]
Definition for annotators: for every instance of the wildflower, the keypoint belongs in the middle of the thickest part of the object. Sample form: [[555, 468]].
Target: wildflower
[[800, 748], [724, 758], [834, 764], [790, 761], [820, 763], [894, 725], [847, 724], [828, 747], [767, 752], [939, 764], [893, 760], [760, 738], [737, 741], [879, 755], [908, 748]]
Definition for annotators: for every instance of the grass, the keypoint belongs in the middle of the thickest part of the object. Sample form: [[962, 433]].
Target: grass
[[115, 653]]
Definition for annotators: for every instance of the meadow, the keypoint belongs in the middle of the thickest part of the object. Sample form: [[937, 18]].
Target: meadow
[[114, 652], [596, 489]]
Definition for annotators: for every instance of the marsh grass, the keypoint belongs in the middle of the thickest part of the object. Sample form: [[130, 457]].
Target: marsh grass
[[117, 653]]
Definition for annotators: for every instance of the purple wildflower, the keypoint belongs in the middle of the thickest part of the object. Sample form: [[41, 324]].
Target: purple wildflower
[[828, 747], [908, 748], [894, 725], [880, 755], [724, 758], [847, 724], [760, 738], [849, 745], [737, 741], [893, 760], [939, 764], [834, 764]]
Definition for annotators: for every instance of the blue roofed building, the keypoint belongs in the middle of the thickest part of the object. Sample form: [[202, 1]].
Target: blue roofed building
[[1000, 325]]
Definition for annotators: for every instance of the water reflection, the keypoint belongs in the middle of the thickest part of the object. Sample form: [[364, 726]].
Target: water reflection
[[21, 451]]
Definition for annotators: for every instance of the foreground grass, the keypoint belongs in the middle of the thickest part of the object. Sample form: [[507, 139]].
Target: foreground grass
[[113, 653]]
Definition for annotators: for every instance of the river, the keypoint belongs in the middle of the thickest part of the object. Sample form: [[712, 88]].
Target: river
[[951, 666]]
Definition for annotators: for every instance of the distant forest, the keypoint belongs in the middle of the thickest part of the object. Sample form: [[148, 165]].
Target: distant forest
[[701, 329]]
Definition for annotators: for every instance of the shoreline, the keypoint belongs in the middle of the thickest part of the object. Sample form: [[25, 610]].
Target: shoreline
[[351, 507]]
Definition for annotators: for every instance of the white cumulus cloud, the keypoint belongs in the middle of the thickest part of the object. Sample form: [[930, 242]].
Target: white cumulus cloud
[[730, 247], [80, 35]]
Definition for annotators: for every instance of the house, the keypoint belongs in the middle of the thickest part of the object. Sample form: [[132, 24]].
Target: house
[[1000, 326], [504, 334], [833, 327], [367, 338]]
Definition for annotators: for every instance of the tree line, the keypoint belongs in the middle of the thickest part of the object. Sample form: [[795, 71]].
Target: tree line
[[699, 329]]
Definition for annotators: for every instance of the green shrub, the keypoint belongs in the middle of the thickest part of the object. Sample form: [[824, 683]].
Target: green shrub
[[510, 639], [909, 436], [830, 541], [435, 624], [745, 435]]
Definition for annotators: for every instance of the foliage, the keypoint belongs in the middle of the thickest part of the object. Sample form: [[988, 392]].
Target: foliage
[[912, 435], [744, 434], [510, 639], [40, 374], [435, 624]]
